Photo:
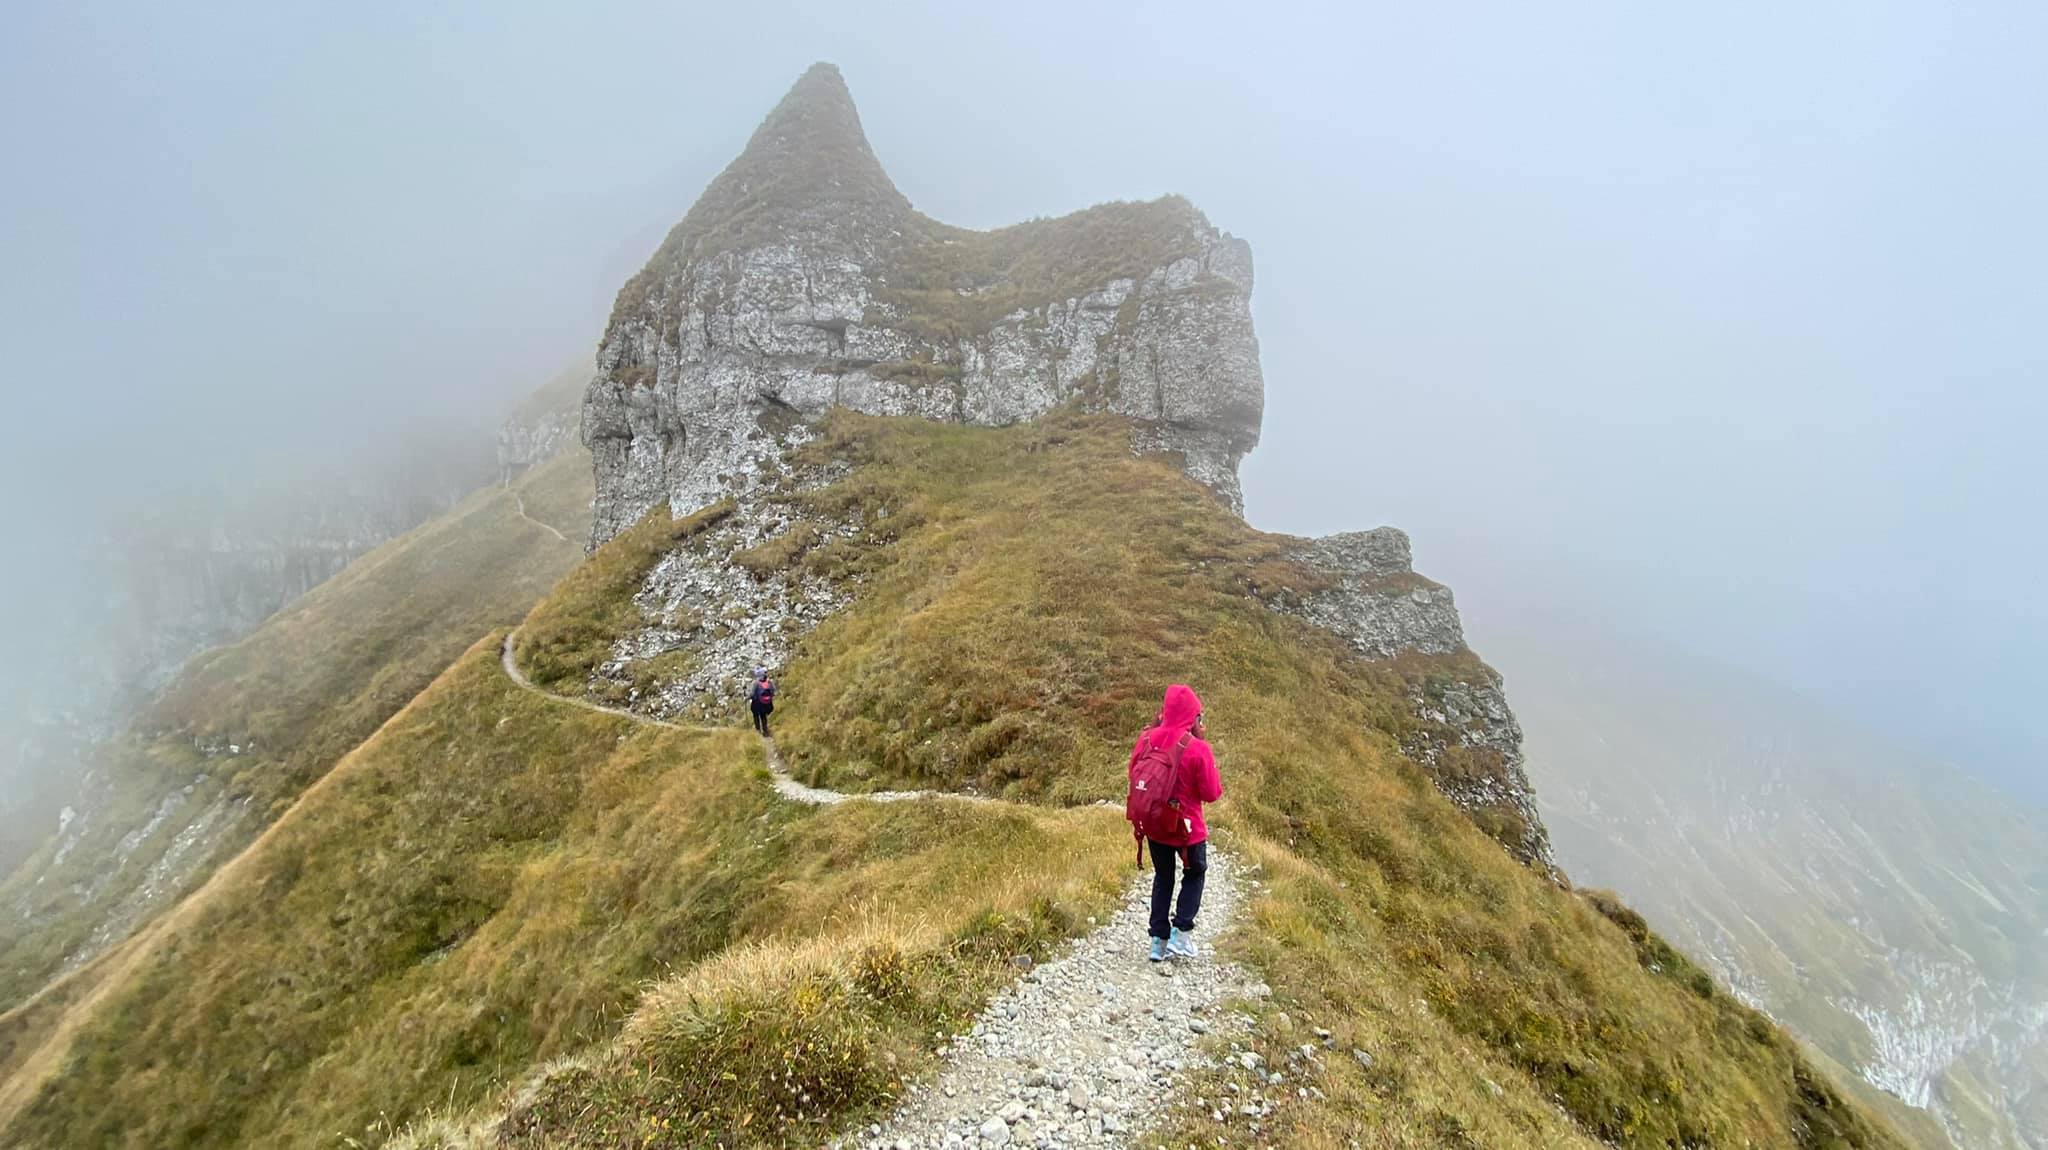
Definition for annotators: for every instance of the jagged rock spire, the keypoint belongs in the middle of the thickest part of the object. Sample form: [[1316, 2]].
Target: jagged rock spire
[[807, 165], [812, 152], [802, 280]]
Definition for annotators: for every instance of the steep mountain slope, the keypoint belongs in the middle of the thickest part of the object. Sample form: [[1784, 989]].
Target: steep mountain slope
[[194, 576], [484, 885], [1893, 912], [191, 564], [38, 779], [237, 736]]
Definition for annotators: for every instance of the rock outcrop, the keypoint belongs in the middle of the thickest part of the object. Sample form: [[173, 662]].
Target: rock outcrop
[[542, 425], [719, 603], [1375, 600], [1471, 745], [1468, 740], [803, 280]]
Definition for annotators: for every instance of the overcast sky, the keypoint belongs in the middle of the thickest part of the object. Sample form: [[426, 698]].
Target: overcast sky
[[1723, 323]]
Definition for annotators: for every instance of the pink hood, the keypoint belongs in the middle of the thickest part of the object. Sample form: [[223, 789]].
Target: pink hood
[[1177, 716]]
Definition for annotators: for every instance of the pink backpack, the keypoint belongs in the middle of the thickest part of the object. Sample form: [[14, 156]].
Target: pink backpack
[[1153, 804]]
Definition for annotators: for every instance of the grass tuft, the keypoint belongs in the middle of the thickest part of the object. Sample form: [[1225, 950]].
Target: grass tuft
[[780, 553]]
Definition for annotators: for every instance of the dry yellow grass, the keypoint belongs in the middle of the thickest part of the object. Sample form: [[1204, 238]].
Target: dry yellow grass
[[498, 882], [486, 884]]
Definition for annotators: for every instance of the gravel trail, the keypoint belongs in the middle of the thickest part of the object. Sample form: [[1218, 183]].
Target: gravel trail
[[519, 678], [1088, 1049]]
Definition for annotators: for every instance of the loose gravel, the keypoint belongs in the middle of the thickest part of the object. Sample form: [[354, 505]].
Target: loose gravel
[[1090, 1048]]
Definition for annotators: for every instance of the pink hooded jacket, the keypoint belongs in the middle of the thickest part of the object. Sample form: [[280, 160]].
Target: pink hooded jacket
[[1199, 781]]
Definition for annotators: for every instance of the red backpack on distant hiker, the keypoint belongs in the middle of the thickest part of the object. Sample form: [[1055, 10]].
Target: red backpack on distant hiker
[[1153, 803]]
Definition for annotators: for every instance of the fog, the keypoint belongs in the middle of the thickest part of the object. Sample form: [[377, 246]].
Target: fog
[[1720, 325]]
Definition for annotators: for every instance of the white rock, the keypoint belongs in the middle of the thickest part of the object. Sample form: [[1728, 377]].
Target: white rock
[[800, 322]]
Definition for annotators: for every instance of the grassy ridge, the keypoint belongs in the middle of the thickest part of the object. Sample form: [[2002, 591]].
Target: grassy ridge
[[296, 695], [375, 634], [482, 889], [947, 284], [1022, 629], [1028, 593], [335, 939]]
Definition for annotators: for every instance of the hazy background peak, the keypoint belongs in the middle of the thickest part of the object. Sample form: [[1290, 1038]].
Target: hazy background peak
[[1722, 325]]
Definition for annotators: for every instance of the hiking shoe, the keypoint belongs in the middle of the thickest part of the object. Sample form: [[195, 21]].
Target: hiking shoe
[[1180, 945], [1158, 950]]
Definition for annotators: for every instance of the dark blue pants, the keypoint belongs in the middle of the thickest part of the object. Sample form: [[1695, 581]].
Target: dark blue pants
[[1163, 858], [761, 714]]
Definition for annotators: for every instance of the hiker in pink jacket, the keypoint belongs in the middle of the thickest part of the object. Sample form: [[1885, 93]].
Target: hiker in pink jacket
[[1172, 773]]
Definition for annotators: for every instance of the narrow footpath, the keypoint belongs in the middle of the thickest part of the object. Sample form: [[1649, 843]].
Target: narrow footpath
[[785, 785], [1086, 1050], [1091, 1048], [519, 501]]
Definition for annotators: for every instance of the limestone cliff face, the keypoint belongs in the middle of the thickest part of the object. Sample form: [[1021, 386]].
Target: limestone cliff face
[[803, 280], [523, 444], [541, 426]]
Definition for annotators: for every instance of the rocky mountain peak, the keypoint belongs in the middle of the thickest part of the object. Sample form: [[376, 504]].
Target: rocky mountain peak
[[811, 152], [807, 176], [802, 280], [808, 167]]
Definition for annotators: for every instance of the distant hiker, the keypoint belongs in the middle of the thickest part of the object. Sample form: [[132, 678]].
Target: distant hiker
[[1173, 773], [761, 699]]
